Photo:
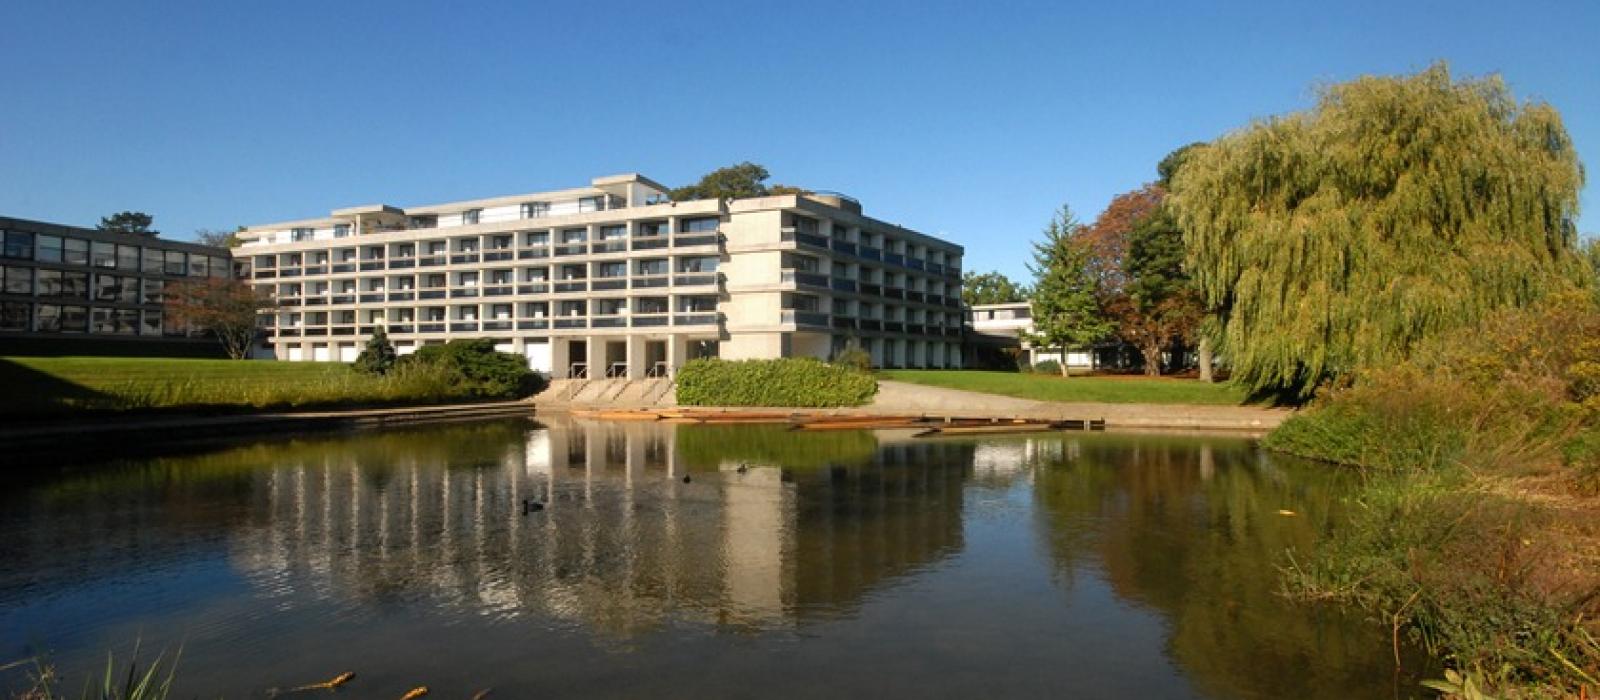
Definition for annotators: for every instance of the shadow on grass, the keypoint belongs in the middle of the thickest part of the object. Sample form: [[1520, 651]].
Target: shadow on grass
[[27, 392]]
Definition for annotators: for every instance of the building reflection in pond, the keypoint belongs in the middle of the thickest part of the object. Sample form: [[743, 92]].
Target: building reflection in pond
[[623, 542]]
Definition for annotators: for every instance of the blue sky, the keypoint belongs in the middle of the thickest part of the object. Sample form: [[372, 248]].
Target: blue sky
[[972, 120]]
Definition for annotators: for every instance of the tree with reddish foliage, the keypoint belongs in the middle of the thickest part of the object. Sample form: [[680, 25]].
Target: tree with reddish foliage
[[1137, 259], [223, 306]]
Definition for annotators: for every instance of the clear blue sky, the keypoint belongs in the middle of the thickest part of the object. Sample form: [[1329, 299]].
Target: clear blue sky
[[972, 120]]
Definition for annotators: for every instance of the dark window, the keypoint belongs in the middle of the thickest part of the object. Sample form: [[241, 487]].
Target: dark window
[[535, 210], [14, 315], [103, 254], [152, 291], [700, 264], [176, 263], [341, 230], [76, 251], [49, 318], [75, 319], [100, 320], [153, 262], [652, 228], [18, 244], [199, 266], [128, 258], [18, 280], [701, 225], [152, 323], [612, 232], [49, 249], [297, 235], [470, 216], [699, 304], [107, 287], [125, 321]]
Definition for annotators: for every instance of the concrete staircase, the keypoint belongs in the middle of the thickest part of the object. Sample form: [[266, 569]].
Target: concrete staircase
[[607, 393]]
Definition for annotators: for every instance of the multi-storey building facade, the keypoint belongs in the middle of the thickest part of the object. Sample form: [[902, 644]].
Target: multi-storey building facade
[[70, 289], [612, 279]]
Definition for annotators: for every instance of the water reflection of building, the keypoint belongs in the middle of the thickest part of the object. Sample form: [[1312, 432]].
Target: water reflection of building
[[624, 543]]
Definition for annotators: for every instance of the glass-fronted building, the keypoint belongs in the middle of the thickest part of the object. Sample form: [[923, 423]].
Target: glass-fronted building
[[83, 291]]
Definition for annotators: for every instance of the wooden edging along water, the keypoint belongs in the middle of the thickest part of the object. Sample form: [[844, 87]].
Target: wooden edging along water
[[926, 425]]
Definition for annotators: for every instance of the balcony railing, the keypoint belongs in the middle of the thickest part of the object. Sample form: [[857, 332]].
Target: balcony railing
[[431, 294], [700, 319], [805, 318], [694, 280], [605, 284], [610, 247], [650, 243], [649, 320], [651, 281], [574, 286], [371, 266], [844, 246], [576, 249], [572, 323], [682, 241], [533, 254], [534, 288], [463, 293], [463, 326], [533, 324], [608, 322]]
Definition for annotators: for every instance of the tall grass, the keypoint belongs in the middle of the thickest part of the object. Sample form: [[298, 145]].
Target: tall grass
[[153, 682], [1477, 532]]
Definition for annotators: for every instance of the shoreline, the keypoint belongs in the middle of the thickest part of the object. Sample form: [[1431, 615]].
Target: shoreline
[[90, 433]]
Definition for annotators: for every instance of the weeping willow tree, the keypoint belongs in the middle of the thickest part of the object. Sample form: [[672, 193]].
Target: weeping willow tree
[[1334, 239]]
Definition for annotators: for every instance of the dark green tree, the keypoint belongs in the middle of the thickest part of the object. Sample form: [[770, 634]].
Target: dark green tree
[[379, 356], [1158, 306], [1066, 312], [220, 239], [1397, 208], [990, 288], [740, 181], [136, 222]]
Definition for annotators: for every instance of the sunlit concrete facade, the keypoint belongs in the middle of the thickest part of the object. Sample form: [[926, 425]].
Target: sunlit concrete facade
[[1009, 325], [612, 279]]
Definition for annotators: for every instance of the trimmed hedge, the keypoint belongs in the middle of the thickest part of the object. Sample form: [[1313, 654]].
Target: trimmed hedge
[[788, 382]]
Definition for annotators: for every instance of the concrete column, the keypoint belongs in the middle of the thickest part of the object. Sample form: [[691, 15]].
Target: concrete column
[[635, 356], [596, 357], [677, 352], [560, 358]]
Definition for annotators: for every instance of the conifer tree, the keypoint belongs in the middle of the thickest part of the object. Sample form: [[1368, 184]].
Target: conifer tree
[[1066, 312]]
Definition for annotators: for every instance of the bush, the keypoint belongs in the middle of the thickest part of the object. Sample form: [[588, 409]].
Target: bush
[[479, 370], [1047, 367], [378, 357], [790, 382], [1471, 533], [855, 358]]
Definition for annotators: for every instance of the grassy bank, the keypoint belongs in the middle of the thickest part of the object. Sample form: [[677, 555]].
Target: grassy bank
[[1478, 530], [45, 386], [794, 382], [1043, 387]]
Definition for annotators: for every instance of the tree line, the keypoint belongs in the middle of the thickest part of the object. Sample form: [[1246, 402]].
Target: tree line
[[1309, 246]]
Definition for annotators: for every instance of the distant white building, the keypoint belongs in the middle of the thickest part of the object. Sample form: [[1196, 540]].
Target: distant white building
[[1009, 326]]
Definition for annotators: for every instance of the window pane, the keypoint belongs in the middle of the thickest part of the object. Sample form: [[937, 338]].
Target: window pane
[[14, 315], [75, 319], [152, 322], [19, 245], [77, 251], [152, 292], [49, 249], [103, 254], [19, 280], [49, 318], [75, 285], [199, 266], [153, 262], [176, 262], [128, 257]]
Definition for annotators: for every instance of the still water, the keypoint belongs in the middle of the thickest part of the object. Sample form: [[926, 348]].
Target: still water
[[829, 565]]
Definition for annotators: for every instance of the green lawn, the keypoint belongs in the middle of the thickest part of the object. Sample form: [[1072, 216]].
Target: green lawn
[[55, 385], [1046, 387]]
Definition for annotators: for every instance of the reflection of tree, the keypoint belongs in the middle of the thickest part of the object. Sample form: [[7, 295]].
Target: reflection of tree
[[1191, 530], [774, 445], [433, 514], [857, 527]]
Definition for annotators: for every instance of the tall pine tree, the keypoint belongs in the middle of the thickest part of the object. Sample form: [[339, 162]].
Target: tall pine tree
[[1066, 313]]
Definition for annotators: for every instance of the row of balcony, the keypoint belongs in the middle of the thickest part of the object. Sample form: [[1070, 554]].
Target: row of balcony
[[818, 319], [528, 324], [866, 252], [561, 287], [839, 284], [496, 255]]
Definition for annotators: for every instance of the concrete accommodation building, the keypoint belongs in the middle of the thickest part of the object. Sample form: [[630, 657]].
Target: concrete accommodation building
[[612, 279], [65, 289], [1007, 327]]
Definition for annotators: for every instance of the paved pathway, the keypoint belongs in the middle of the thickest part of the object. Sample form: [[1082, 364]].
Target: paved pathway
[[906, 398]]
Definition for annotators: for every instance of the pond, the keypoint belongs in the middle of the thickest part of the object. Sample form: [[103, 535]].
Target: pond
[[690, 561]]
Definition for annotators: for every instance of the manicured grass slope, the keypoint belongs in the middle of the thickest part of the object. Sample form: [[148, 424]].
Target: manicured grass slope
[[44, 385], [1041, 387]]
